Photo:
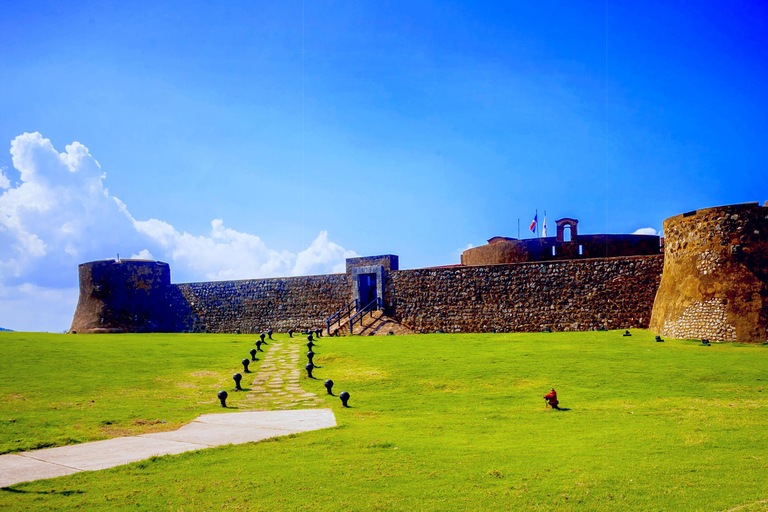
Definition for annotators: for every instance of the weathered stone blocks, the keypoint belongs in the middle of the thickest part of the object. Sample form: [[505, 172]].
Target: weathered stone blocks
[[715, 281]]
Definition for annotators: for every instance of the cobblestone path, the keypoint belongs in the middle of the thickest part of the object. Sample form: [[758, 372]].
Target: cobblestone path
[[276, 384]]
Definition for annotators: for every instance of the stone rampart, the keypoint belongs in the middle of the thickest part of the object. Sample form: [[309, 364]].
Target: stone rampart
[[255, 305], [715, 282], [578, 295]]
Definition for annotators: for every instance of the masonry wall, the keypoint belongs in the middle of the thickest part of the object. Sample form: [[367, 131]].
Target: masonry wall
[[123, 296], [715, 281], [540, 249], [255, 305], [615, 293]]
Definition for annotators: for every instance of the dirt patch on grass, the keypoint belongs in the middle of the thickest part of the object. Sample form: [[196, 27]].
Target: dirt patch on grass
[[362, 375], [204, 373], [146, 422]]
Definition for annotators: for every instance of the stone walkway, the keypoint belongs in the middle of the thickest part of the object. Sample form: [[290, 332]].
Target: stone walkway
[[276, 385]]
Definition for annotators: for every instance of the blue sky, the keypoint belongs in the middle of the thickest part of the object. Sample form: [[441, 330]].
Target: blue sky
[[274, 138]]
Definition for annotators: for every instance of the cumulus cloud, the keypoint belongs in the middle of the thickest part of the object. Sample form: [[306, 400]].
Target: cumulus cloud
[[322, 256], [143, 254], [61, 214], [645, 231]]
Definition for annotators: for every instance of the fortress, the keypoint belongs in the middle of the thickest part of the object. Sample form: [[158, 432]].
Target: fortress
[[711, 281]]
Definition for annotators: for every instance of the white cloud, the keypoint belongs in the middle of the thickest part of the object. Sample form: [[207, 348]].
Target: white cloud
[[459, 252], [224, 254], [4, 181], [144, 254], [322, 256], [645, 231], [60, 214]]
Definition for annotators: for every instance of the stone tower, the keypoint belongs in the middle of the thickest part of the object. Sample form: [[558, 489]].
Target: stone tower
[[123, 296], [715, 279]]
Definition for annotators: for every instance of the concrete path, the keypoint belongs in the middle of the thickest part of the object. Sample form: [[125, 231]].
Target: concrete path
[[275, 385], [205, 431]]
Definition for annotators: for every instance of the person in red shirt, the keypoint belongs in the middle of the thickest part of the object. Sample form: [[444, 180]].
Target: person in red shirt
[[551, 397]]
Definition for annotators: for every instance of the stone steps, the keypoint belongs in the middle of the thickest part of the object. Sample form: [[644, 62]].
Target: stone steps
[[378, 324]]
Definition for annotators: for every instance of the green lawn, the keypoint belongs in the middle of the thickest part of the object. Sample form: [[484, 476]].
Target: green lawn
[[438, 422]]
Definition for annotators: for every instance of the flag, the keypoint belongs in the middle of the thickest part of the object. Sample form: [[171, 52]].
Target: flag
[[535, 221], [544, 227]]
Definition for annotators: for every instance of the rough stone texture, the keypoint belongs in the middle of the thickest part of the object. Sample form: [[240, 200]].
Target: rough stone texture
[[255, 305], [501, 250], [123, 296], [578, 295], [715, 282], [388, 261]]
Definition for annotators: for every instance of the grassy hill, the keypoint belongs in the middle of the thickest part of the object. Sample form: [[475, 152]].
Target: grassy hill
[[438, 422]]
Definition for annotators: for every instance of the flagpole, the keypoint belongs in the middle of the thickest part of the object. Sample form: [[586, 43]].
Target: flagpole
[[518, 229], [536, 216]]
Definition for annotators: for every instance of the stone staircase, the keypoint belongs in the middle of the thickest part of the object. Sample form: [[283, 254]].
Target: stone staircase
[[374, 324]]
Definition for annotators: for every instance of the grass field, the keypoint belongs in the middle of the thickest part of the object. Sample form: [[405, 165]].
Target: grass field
[[438, 422]]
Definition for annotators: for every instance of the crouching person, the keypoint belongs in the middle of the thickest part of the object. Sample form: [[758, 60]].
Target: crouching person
[[551, 398]]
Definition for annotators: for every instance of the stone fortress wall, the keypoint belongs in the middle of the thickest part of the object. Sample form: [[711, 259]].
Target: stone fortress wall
[[715, 281], [560, 295], [711, 282], [124, 296], [255, 305], [578, 295]]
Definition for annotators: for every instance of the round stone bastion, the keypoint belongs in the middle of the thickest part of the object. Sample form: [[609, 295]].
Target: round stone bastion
[[122, 296], [715, 279]]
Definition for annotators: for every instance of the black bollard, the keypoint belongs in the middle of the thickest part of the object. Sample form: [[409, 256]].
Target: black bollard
[[223, 397], [269, 333], [258, 345], [627, 333], [309, 337], [253, 354], [290, 333], [319, 333], [705, 342], [246, 362], [329, 386], [310, 344], [309, 369], [344, 397], [310, 355], [237, 378], [658, 339]]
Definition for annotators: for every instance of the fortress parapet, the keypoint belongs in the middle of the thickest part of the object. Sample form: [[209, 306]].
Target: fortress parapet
[[123, 296], [715, 279], [500, 250]]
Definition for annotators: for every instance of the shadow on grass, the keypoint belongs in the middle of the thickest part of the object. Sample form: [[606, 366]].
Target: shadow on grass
[[21, 491]]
